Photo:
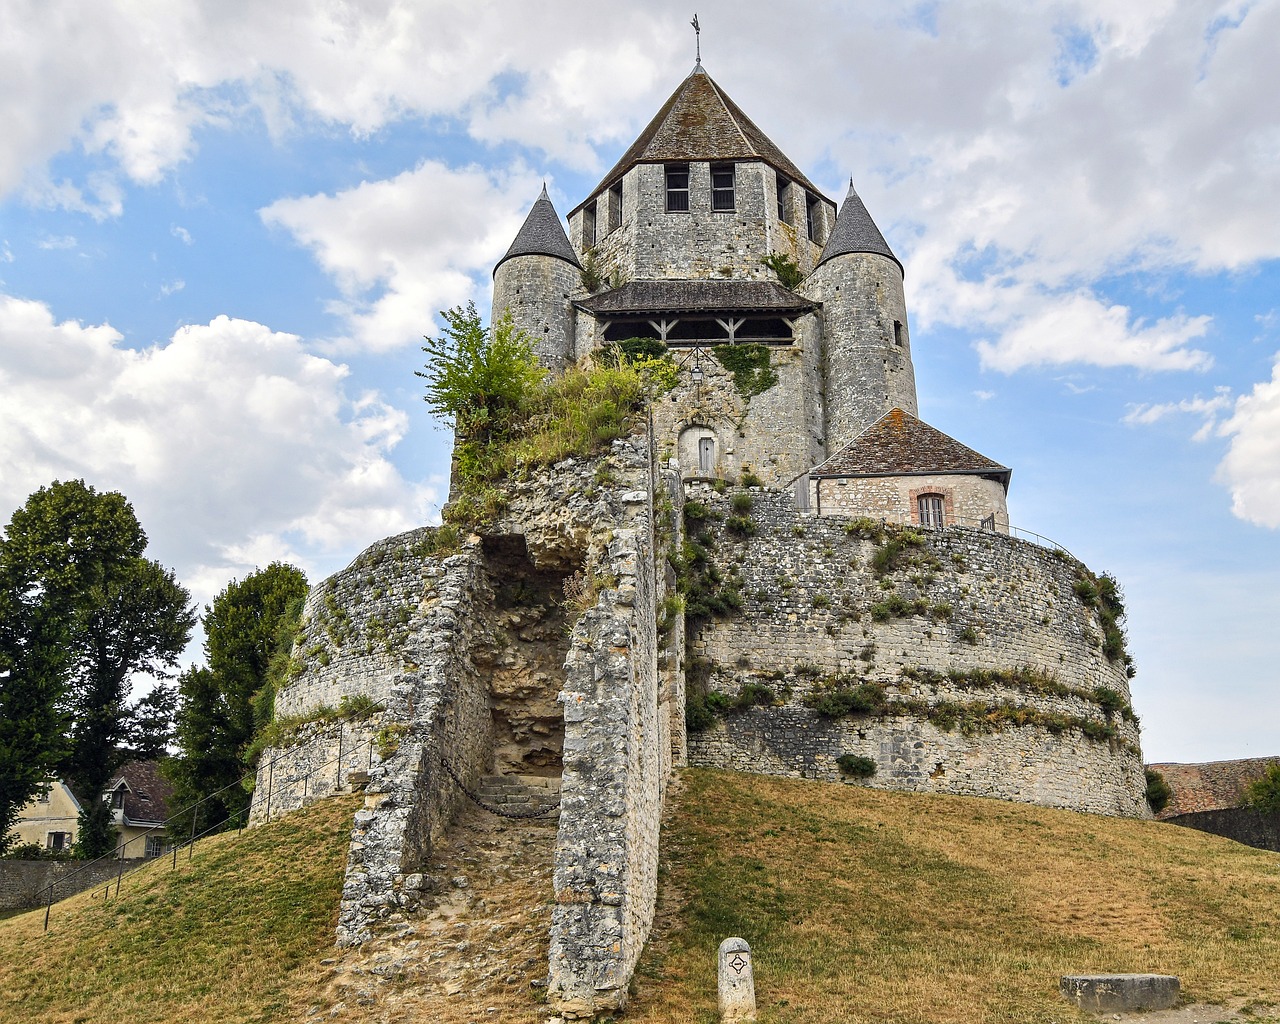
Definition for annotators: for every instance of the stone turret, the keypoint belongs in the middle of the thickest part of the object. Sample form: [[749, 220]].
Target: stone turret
[[858, 280], [534, 281]]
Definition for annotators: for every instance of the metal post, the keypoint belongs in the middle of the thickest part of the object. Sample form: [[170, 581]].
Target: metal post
[[192, 843], [120, 873], [47, 908]]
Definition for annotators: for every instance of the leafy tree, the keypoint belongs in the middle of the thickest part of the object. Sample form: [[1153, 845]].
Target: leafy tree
[[480, 378], [1263, 794], [72, 570], [249, 631]]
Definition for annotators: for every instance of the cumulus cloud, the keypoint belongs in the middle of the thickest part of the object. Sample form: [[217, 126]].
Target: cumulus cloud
[[403, 248], [1251, 467], [235, 444], [1207, 409]]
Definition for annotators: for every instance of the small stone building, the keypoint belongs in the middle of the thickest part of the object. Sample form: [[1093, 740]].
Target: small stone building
[[902, 470]]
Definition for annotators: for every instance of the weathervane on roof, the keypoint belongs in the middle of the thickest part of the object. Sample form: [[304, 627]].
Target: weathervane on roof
[[697, 36]]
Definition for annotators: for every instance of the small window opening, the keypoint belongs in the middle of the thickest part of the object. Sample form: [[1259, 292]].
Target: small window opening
[[722, 187], [615, 207], [677, 188], [117, 797], [812, 225], [154, 846], [58, 841], [589, 226], [784, 195], [898, 334], [930, 508]]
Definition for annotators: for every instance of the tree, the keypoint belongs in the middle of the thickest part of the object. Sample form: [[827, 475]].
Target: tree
[[480, 378], [72, 571], [249, 631], [1263, 794]]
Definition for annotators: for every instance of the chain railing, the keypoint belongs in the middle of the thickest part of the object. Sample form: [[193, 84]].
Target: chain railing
[[235, 822]]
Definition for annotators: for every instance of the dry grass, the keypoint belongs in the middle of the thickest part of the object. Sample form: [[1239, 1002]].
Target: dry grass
[[862, 905], [215, 940], [859, 905]]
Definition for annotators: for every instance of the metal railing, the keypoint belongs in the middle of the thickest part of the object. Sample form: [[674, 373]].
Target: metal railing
[[987, 525], [234, 822]]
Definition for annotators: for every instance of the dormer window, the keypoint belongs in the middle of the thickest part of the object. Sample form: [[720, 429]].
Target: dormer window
[[677, 188], [116, 796], [722, 188]]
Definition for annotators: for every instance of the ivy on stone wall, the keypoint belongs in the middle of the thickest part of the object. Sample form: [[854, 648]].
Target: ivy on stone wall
[[751, 365]]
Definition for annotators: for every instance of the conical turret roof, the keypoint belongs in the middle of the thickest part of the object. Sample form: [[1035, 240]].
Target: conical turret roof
[[541, 235], [855, 231], [700, 122]]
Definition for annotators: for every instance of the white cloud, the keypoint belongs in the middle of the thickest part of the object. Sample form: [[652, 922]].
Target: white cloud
[[234, 443], [57, 242], [984, 396], [1078, 328], [171, 287], [181, 234], [1208, 409], [404, 248], [1251, 467]]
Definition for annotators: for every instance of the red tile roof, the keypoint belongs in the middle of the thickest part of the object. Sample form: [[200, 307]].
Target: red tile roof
[[1211, 786]]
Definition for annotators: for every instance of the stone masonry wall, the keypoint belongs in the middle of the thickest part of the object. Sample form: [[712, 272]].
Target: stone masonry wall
[[815, 612], [316, 764], [537, 290], [653, 244], [24, 884], [967, 500]]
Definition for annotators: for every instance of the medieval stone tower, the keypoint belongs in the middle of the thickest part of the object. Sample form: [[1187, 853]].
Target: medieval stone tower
[[782, 570]]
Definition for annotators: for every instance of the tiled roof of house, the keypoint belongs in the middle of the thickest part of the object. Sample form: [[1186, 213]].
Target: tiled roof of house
[[898, 444], [541, 235], [697, 296], [855, 231], [700, 122], [147, 791], [1211, 786]]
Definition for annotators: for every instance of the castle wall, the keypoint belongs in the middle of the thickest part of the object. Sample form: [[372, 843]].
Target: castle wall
[[868, 371], [536, 289], [967, 500], [654, 244], [777, 433], [814, 608]]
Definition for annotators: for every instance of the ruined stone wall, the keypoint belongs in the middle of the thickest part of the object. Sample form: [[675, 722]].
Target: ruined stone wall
[[868, 372], [537, 290], [317, 763], [815, 614], [967, 500]]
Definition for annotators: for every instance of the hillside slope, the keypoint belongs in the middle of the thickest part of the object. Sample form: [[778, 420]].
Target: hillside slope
[[860, 906]]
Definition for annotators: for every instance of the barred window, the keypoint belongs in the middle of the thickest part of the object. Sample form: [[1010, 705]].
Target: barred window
[[677, 188]]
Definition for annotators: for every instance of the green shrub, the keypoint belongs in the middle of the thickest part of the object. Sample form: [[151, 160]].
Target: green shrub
[[855, 766], [848, 698], [741, 503], [1158, 791], [741, 526], [751, 366], [787, 269], [821, 601], [749, 479], [755, 695]]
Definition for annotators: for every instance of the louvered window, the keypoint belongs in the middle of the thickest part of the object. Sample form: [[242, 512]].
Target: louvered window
[[677, 188]]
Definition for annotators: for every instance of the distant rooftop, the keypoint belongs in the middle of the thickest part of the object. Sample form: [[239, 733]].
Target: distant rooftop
[[1211, 786]]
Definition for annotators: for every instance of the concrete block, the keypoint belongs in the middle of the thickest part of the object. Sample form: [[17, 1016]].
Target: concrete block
[[1106, 993]]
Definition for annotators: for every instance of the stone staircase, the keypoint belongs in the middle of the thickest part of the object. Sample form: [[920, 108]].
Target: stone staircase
[[522, 794]]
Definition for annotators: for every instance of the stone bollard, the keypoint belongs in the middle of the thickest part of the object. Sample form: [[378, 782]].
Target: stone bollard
[[737, 982]]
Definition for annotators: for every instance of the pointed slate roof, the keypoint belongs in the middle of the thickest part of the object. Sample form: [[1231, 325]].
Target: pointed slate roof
[[898, 444], [541, 235], [855, 231], [700, 122]]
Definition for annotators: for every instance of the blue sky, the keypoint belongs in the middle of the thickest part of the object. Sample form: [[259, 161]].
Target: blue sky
[[224, 229]]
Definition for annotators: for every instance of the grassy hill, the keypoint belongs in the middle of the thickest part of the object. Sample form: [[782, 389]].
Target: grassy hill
[[859, 905]]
